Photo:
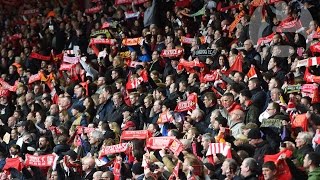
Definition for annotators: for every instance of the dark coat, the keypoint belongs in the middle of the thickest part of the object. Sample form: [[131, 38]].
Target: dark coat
[[262, 149], [258, 97]]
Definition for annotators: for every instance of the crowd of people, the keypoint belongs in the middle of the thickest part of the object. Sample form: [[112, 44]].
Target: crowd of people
[[160, 89]]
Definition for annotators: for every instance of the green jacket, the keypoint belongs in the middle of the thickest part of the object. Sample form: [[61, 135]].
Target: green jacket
[[314, 175]]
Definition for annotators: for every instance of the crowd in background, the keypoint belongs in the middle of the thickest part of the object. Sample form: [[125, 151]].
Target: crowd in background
[[159, 89]]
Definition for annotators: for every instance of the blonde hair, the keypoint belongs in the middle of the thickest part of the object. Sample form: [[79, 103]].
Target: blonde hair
[[116, 129]]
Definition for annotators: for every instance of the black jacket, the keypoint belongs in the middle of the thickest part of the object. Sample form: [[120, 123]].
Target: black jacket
[[262, 149]]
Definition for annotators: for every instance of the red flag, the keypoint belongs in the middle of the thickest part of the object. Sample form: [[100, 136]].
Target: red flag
[[237, 65], [283, 170], [189, 104], [133, 82], [144, 75], [275, 157], [13, 163], [300, 120], [252, 72]]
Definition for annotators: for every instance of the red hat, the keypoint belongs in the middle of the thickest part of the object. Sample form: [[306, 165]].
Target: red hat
[[291, 105], [128, 125]]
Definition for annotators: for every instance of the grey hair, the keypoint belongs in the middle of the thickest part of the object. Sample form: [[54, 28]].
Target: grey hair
[[97, 135], [306, 137], [251, 163], [207, 137]]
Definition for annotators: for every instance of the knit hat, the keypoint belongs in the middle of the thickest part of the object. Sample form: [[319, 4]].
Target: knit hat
[[137, 168], [254, 134]]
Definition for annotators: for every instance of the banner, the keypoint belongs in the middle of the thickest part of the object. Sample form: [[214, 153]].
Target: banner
[[94, 41], [138, 134], [189, 104], [159, 142], [71, 60], [224, 9], [4, 92], [133, 83], [30, 12], [313, 61], [114, 149], [15, 37], [66, 67], [125, 55], [315, 47], [292, 89], [119, 2], [233, 25], [191, 64], [133, 64], [186, 40], [93, 10], [212, 76], [308, 89], [271, 123], [175, 172], [176, 147], [34, 78], [265, 40], [204, 52], [165, 117], [310, 78], [85, 130], [40, 161], [132, 41], [7, 86], [257, 3], [171, 53], [34, 55], [289, 24], [103, 32], [131, 15], [222, 148]]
